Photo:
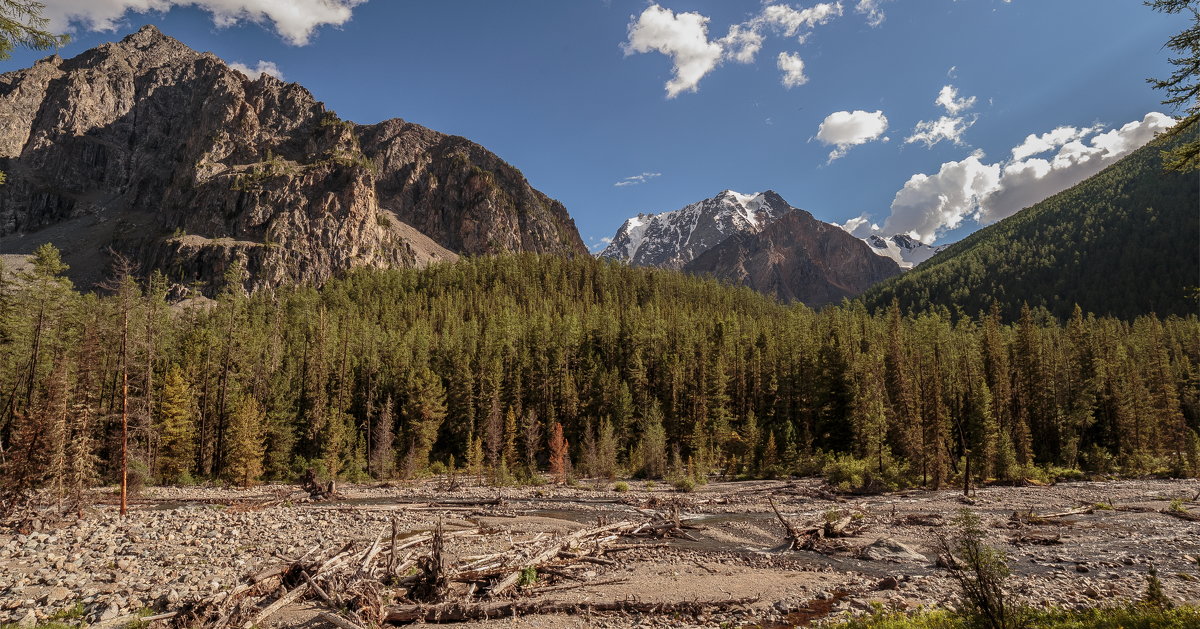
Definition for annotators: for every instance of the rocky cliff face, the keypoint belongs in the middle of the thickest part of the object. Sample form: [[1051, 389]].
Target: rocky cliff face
[[797, 258], [672, 239], [166, 154]]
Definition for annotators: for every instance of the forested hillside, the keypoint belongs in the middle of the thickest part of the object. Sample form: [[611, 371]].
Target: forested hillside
[[486, 362], [1124, 243]]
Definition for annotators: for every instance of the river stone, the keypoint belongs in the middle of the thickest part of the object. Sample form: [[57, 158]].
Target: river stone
[[887, 549]]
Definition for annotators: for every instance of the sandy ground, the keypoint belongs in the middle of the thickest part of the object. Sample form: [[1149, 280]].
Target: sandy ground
[[183, 544]]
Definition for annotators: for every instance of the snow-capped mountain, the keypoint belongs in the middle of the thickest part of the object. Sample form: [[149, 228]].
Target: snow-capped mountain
[[906, 251], [672, 239]]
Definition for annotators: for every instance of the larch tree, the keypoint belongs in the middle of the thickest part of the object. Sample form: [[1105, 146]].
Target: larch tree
[[176, 427], [244, 461], [383, 441], [558, 453]]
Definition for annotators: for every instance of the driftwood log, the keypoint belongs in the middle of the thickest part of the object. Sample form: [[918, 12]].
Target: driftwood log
[[359, 582], [798, 539], [316, 489], [1182, 515]]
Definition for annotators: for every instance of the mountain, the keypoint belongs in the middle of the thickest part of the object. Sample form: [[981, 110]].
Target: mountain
[[905, 251], [171, 157], [797, 258], [672, 239], [1121, 243]]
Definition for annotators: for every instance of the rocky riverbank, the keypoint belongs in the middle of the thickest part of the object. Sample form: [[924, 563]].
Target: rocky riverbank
[[183, 544]]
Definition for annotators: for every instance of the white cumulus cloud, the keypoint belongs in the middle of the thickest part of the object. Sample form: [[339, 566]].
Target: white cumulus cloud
[[948, 99], [1037, 144], [846, 129], [263, 67], [293, 20], [860, 226], [742, 43], [792, 67], [684, 37], [1028, 181], [928, 205]]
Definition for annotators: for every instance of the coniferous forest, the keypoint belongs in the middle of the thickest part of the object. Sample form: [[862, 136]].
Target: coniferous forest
[[1121, 243], [509, 366]]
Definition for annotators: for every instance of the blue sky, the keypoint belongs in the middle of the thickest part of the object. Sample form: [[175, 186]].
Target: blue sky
[[559, 89]]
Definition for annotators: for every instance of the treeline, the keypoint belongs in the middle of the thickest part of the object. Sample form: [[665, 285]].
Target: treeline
[[1122, 243], [510, 366]]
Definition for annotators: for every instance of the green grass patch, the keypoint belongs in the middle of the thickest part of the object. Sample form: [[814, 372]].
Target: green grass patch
[[1133, 617]]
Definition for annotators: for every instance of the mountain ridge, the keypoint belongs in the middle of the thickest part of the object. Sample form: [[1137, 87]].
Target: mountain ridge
[[171, 157], [797, 258]]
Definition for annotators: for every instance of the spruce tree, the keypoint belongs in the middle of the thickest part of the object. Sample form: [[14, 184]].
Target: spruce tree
[[423, 413]]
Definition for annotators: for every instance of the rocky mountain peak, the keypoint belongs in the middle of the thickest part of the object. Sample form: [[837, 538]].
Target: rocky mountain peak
[[152, 149], [796, 258], [672, 239]]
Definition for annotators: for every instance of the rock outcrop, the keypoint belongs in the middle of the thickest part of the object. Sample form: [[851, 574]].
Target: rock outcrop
[[148, 148], [797, 258]]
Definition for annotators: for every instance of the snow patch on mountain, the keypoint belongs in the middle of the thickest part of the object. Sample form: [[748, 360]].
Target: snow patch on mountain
[[906, 251], [672, 239]]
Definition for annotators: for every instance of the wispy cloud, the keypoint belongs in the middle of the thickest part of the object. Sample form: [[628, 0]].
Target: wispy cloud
[[870, 8], [598, 243], [637, 179], [950, 127]]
